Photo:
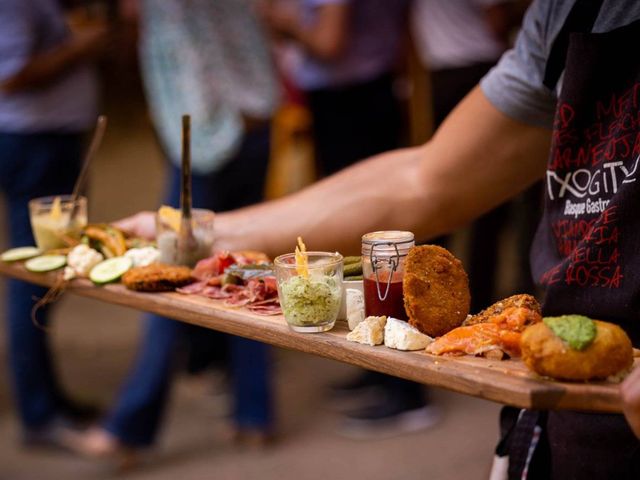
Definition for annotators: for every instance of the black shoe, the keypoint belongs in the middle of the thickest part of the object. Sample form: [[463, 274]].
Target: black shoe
[[390, 417], [362, 383], [54, 434], [79, 413]]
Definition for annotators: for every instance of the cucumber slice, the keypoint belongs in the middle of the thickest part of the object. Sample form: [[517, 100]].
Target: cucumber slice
[[110, 270], [20, 253], [45, 263]]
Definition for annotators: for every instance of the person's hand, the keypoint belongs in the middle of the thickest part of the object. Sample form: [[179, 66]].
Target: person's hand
[[141, 225], [129, 10], [90, 36], [281, 20], [630, 391], [92, 40]]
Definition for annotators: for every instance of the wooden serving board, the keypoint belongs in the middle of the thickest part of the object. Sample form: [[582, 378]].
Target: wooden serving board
[[508, 382]]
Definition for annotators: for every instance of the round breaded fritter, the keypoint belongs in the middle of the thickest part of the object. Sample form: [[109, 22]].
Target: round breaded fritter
[[548, 355], [436, 290], [157, 277]]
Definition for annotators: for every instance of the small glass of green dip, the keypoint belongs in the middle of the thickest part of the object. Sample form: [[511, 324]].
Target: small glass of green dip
[[310, 300]]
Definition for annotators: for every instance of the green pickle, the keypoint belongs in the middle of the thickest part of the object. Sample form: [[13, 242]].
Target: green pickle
[[352, 259], [577, 330], [353, 270]]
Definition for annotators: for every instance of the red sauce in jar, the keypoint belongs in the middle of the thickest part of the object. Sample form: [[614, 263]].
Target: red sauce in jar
[[392, 305]]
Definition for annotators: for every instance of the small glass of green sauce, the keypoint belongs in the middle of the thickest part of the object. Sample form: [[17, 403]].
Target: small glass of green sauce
[[310, 300]]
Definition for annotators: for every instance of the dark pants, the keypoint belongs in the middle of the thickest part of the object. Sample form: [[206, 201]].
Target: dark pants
[[354, 122], [570, 445], [33, 165], [350, 124], [137, 414]]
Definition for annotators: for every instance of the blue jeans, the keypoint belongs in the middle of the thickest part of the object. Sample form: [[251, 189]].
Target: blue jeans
[[137, 414], [33, 165]]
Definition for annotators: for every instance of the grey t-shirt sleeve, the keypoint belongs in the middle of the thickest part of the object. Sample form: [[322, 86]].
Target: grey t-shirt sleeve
[[514, 86]]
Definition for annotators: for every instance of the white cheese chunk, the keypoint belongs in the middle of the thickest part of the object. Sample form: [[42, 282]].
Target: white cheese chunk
[[80, 260], [355, 307], [369, 332], [142, 257], [400, 335]]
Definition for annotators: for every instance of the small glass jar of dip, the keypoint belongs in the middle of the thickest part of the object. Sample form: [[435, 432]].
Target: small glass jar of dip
[[383, 257], [310, 302]]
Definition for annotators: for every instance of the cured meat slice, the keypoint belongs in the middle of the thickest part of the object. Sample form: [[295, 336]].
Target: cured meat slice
[[273, 309], [193, 289], [213, 266], [215, 293], [259, 293]]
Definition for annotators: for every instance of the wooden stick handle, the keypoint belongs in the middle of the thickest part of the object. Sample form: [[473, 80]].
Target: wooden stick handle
[[96, 140], [185, 197]]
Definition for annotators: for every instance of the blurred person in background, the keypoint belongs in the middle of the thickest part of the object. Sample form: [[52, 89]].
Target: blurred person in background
[[349, 51], [48, 102], [208, 59], [458, 42]]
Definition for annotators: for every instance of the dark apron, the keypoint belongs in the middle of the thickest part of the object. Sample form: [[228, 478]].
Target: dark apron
[[586, 252]]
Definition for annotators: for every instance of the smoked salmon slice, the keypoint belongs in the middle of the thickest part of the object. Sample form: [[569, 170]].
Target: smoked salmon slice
[[500, 334]]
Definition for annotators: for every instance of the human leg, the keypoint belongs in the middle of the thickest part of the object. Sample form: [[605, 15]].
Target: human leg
[[354, 122], [32, 166], [350, 124], [251, 381], [558, 445], [240, 183], [135, 418]]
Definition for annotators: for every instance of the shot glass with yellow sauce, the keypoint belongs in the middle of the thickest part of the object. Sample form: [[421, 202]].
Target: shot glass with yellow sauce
[[51, 220]]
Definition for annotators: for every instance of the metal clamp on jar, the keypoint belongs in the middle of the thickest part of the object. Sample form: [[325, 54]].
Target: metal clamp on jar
[[383, 257]]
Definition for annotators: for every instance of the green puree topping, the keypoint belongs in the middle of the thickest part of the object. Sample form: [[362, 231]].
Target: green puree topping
[[577, 330], [311, 301]]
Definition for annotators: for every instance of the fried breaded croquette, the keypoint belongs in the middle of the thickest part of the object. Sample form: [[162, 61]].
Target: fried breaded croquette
[[548, 355], [436, 290], [157, 277], [517, 301]]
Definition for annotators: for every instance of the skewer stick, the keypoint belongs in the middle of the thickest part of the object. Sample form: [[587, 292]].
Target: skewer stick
[[96, 140]]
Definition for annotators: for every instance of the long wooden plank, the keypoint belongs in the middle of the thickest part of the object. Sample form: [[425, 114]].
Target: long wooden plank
[[507, 382]]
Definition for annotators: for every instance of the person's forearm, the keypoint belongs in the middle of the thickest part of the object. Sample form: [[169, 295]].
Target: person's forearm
[[476, 160], [43, 68], [331, 214], [500, 20]]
